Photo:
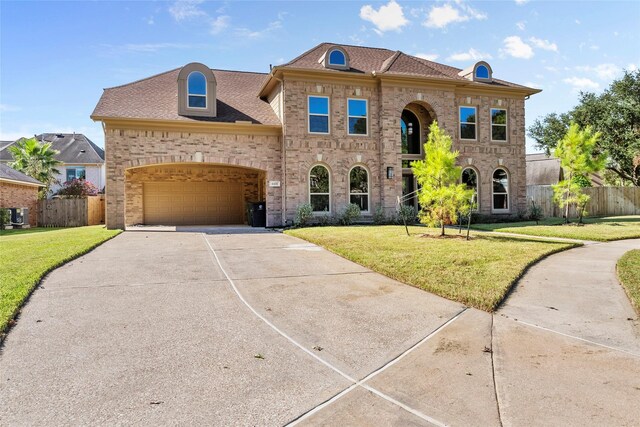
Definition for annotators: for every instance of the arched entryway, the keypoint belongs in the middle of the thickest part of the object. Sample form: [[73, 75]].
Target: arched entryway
[[191, 194], [415, 120]]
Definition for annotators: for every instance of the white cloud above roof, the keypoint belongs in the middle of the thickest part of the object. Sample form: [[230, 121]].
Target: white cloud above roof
[[470, 55], [186, 9], [581, 83], [514, 46], [603, 71], [219, 24], [389, 17], [441, 16], [428, 56], [543, 44]]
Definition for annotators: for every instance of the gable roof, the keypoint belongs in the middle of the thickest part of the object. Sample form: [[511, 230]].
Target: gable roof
[[10, 174], [4, 144], [156, 98], [542, 169], [384, 61], [72, 148]]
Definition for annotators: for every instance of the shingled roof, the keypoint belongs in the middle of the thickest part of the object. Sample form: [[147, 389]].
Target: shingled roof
[[73, 148], [10, 174], [156, 98]]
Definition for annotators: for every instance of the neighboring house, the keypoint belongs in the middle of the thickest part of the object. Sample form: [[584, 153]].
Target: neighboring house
[[338, 124], [546, 170], [18, 190], [80, 158]]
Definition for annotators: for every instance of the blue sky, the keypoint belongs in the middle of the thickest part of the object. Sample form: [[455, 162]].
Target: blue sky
[[55, 57]]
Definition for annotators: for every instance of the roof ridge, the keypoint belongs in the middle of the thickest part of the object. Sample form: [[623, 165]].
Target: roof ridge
[[428, 62], [142, 80], [420, 61], [390, 60], [239, 71]]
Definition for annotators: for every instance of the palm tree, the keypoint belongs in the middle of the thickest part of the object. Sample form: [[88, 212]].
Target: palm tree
[[36, 160]]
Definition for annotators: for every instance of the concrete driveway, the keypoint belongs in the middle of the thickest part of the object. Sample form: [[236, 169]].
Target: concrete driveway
[[265, 329]]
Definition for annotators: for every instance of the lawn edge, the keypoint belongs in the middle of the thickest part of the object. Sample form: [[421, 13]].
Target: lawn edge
[[13, 319], [555, 237], [510, 287], [636, 307]]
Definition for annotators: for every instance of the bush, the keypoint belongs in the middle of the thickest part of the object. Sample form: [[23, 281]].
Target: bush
[[350, 213], [379, 217], [5, 218], [406, 215], [325, 220], [303, 214], [78, 188], [535, 212]]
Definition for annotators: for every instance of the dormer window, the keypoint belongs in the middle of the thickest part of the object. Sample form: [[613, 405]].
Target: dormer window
[[196, 91], [479, 72], [335, 57], [197, 84]]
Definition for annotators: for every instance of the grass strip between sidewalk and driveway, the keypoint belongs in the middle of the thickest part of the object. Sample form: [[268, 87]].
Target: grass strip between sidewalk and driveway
[[598, 229], [629, 274], [479, 272], [27, 255]]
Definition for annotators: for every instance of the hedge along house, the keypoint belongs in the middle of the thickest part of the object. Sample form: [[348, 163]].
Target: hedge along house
[[339, 124]]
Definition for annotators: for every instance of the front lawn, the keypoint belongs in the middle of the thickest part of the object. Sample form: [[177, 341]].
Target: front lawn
[[27, 255], [478, 273], [599, 229], [629, 273]]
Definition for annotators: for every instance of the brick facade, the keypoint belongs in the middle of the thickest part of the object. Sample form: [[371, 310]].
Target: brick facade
[[288, 155], [20, 196]]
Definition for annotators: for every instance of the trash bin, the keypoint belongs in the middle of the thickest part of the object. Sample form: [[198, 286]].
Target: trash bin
[[258, 214]]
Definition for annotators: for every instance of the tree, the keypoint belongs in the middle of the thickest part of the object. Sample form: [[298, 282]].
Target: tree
[[615, 114], [36, 160], [78, 188], [578, 157], [441, 195]]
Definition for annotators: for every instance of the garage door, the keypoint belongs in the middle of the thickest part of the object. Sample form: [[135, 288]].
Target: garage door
[[192, 203]]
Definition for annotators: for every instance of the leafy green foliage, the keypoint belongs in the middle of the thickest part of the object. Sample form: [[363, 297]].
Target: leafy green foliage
[[615, 113], [350, 213], [78, 188], [578, 158], [36, 160], [406, 215], [441, 195], [5, 218], [304, 213]]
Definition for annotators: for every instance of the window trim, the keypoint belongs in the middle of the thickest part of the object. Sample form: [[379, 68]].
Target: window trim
[[460, 123], [334, 63], [366, 117], [368, 193], [75, 169], [506, 125], [508, 193], [313, 166], [206, 98], [328, 115], [477, 209]]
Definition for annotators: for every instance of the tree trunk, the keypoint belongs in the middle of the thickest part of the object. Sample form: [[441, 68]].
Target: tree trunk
[[441, 228]]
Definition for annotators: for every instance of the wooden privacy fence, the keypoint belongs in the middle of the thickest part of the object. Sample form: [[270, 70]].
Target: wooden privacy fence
[[71, 212], [605, 201]]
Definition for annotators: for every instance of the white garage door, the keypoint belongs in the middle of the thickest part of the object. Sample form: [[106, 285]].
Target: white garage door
[[192, 203]]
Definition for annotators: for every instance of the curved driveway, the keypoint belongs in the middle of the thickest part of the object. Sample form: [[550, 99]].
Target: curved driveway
[[265, 329]]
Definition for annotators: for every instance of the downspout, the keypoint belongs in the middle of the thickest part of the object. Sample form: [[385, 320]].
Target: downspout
[[283, 188]]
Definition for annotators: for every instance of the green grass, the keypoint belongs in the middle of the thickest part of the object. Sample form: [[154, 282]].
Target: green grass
[[478, 273], [629, 273], [599, 229], [27, 255]]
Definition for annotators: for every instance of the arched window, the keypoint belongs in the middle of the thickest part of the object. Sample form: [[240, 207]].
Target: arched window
[[470, 179], [319, 188], [482, 72], [197, 90], [359, 187], [336, 57], [500, 190], [410, 133]]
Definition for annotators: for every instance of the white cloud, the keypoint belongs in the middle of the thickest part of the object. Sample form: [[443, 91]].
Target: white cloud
[[603, 71], [186, 9], [6, 108], [258, 34], [521, 25], [389, 17], [594, 47], [470, 55], [521, 2], [581, 83], [219, 24], [514, 46], [427, 56], [534, 85], [632, 67], [441, 16], [577, 21], [149, 47], [552, 69], [543, 44]]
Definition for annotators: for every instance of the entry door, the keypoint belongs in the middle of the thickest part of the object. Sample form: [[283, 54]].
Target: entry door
[[192, 203]]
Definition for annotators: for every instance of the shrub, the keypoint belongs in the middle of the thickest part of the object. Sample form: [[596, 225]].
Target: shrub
[[78, 188], [303, 214], [350, 213], [5, 218], [406, 215], [535, 212], [325, 220], [379, 217]]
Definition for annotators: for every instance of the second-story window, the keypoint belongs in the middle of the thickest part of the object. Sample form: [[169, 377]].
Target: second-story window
[[498, 124], [197, 90], [318, 114], [357, 115], [468, 122]]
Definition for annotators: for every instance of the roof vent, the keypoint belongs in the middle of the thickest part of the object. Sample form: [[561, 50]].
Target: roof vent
[[83, 151]]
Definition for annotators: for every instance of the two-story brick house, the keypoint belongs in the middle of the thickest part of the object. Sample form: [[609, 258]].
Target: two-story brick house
[[338, 124]]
